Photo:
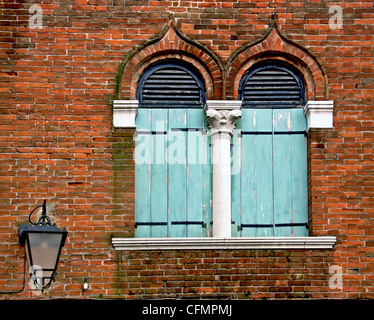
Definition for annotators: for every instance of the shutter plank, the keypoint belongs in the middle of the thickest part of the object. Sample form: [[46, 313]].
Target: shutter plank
[[264, 178], [207, 181], [282, 165], [159, 173], [299, 192], [177, 172], [194, 173], [235, 180], [143, 159], [248, 183]]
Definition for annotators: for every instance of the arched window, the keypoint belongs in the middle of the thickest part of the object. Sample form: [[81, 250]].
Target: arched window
[[272, 85], [172, 154], [269, 169], [171, 85]]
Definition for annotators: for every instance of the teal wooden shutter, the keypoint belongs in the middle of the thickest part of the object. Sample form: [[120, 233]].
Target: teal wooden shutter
[[150, 173], [290, 173], [269, 181], [172, 157], [269, 168]]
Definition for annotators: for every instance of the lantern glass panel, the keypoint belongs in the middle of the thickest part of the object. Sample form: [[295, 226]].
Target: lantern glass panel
[[44, 249]]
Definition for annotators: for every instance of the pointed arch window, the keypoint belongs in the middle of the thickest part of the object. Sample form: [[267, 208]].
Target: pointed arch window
[[270, 177], [172, 154]]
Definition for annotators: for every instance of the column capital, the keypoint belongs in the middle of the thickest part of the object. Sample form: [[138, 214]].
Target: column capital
[[222, 115]]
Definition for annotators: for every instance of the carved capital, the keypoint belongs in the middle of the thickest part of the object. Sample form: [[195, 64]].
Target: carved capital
[[222, 116]]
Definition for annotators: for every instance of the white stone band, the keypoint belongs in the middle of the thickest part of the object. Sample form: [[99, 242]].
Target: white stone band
[[245, 243]]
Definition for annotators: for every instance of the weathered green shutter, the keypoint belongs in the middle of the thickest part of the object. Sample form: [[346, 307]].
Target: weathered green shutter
[[173, 190], [269, 181], [270, 177], [150, 174]]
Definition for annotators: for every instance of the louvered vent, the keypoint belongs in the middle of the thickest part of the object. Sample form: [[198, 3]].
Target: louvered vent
[[272, 87], [170, 86]]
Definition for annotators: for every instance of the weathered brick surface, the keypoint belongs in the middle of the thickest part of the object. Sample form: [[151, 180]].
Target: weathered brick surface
[[57, 142]]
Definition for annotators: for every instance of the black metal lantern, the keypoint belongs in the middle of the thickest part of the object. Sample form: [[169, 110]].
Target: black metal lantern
[[43, 242]]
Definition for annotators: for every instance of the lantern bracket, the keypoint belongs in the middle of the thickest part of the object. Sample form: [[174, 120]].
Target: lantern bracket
[[44, 220]]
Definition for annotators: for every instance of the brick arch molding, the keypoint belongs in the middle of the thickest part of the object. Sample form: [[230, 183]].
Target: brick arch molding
[[169, 44], [221, 81], [275, 45]]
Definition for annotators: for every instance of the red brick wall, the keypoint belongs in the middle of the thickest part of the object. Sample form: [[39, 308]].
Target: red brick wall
[[57, 143]]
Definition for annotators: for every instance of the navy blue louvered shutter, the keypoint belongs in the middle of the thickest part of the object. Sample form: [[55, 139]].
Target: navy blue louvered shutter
[[272, 86]]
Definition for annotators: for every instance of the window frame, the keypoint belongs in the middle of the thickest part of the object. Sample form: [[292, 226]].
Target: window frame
[[128, 108], [171, 112], [268, 223]]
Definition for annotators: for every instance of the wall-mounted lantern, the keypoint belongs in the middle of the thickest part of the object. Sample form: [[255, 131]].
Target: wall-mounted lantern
[[43, 242]]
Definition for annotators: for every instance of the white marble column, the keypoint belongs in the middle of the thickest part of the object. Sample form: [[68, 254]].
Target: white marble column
[[222, 117]]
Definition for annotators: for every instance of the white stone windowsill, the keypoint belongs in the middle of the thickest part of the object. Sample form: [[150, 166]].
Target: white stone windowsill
[[223, 243]]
